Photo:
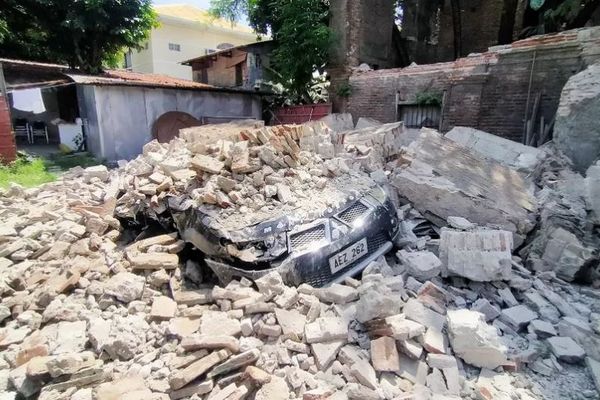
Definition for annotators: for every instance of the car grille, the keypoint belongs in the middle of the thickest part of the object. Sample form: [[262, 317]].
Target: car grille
[[307, 237], [321, 276], [352, 213]]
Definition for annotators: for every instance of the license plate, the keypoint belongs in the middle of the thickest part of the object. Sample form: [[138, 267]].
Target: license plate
[[346, 257]]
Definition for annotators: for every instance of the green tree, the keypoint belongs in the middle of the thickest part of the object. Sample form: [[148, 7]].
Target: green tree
[[300, 31], [81, 33], [546, 16]]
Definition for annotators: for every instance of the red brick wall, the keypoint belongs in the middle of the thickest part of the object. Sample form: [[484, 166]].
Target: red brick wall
[[487, 91], [8, 150]]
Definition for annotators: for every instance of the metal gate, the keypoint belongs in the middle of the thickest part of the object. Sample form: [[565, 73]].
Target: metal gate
[[415, 116]]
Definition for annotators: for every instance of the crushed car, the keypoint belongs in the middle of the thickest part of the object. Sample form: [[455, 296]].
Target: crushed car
[[254, 198], [321, 251]]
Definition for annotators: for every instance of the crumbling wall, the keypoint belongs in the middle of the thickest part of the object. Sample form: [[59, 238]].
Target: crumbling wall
[[486, 91]]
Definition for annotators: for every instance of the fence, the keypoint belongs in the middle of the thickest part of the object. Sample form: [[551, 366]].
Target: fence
[[415, 116]]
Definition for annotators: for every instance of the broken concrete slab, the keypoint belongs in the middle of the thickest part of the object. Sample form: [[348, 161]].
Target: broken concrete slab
[[483, 255], [566, 349], [469, 186], [506, 152], [474, 341]]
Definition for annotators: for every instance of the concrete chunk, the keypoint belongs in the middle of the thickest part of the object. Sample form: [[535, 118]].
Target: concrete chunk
[[154, 261], [416, 311], [517, 317], [163, 308], [365, 374], [384, 354], [192, 343], [181, 378], [594, 368], [402, 328], [566, 349], [542, 329], [338, 294], [482, 256], [325, 353], [326, 329], [483, 306], [207, 164], [291, 322], [474, 341], [421, 264], [235, 362]]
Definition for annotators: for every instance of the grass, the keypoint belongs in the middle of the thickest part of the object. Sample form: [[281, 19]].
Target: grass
[[28, 173], [67, 161], [31, 171]]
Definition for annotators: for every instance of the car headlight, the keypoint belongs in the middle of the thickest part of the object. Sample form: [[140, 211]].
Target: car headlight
[[379, 194]]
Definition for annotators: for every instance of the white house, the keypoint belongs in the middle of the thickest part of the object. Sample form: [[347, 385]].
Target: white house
[[185, 32]]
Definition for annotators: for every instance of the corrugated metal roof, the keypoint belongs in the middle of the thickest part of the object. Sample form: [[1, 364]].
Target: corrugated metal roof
[[111, 77], [224, 51], [128, 78], [34, 64]]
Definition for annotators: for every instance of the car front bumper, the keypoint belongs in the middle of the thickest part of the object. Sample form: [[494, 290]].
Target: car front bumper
[[379, 226]]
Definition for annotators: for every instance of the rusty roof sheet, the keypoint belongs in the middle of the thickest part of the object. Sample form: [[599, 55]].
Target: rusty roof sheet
[[128, 78], [224, 51]]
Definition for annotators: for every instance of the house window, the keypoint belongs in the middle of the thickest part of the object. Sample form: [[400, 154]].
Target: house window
[[201, 75], [174, 47], [128, 63]]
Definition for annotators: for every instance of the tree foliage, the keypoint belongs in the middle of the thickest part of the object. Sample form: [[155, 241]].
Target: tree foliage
[[80, 33], [558, 15], [300, 31]]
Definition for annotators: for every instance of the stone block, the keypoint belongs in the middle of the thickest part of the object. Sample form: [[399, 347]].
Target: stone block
[[384, 354], [483, 255], [474, 341], [566, 349]]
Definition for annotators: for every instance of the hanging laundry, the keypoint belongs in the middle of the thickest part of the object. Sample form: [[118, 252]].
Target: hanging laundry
[[29, 100]]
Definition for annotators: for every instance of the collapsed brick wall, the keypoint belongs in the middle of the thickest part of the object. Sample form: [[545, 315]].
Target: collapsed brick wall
[[8, 150], [487, 91]]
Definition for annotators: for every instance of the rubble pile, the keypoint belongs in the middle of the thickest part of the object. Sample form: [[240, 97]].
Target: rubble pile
[[565, 241], [252, 175], [88, 313], [88, 318]]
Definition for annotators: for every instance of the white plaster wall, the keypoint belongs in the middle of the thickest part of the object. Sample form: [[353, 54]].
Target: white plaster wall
[[123, 117]]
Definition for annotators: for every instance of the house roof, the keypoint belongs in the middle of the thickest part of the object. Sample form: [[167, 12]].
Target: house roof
[[226, 51], [189, 13], [22, 74], [129, 78]]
